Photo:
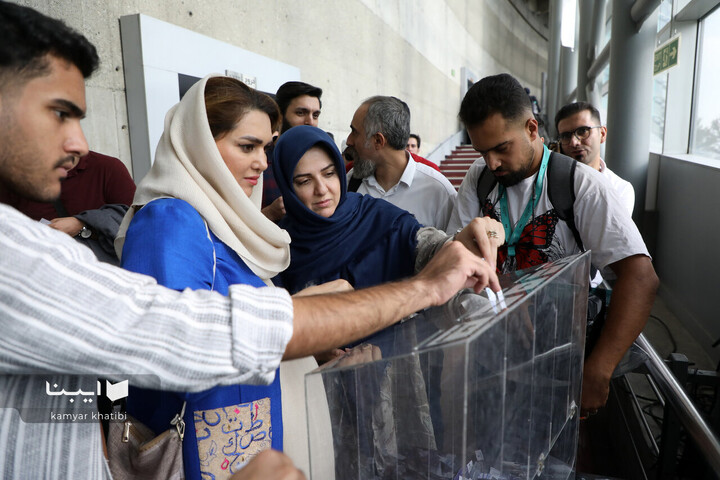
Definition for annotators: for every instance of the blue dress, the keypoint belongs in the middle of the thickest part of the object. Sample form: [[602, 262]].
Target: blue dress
[[169, 240]]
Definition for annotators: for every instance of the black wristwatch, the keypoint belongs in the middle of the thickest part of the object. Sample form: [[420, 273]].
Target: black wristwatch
[[85, 232]]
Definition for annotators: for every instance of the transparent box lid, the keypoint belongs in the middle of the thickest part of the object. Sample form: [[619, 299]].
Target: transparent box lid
[[473, 389]]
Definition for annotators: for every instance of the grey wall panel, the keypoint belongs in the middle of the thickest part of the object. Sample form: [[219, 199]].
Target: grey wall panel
[[352, 49], [688, 238]]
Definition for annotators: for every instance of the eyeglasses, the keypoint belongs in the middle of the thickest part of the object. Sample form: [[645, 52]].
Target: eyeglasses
[[581, 133]]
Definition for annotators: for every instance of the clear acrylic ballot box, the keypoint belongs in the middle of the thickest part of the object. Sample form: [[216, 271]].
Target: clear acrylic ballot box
[[474, 389]]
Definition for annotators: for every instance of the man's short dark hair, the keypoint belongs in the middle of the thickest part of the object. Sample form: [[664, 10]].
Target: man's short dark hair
[[416, 137], [290, 90], [501, 94], [389, 116], [29, 36], [577, 107]]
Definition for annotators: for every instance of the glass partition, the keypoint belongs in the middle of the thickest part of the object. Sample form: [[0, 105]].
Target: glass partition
[[477, 388]]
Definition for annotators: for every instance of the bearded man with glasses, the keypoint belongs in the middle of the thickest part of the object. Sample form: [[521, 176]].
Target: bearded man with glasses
[[580, 134]]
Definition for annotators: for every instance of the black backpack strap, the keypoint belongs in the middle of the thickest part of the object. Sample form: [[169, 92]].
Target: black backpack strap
[[485, 183], [354, 184], [561, 191]]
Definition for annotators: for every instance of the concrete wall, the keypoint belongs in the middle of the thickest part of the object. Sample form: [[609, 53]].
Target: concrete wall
[[351, 48], [687, 258]]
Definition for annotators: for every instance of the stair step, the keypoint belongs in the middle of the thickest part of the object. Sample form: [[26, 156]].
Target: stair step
[[451, 177], [456, 165], [459, 161]]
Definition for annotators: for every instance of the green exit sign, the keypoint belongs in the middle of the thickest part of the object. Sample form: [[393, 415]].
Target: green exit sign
[[666, 55]]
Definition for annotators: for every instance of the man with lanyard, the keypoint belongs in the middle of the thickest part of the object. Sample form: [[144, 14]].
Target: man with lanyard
[[499, 119]]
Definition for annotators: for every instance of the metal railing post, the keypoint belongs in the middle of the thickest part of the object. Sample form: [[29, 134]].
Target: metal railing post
[[683, 407], [670, 440]]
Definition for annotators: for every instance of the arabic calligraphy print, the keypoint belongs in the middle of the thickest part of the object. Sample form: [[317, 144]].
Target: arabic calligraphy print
[[229, 437]]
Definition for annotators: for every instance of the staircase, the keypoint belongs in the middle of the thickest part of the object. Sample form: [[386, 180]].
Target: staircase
[[457, 163]]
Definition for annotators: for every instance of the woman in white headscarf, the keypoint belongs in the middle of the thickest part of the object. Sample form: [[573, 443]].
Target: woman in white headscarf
[[196, 223]]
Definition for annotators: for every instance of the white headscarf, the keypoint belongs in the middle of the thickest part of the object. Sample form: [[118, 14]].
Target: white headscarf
[[188, 166]]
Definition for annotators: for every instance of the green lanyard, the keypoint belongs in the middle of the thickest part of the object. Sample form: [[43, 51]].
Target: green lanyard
[[527, 214]]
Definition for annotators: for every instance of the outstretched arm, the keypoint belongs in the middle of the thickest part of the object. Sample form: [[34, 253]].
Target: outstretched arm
[[482, 236], [323, 322]]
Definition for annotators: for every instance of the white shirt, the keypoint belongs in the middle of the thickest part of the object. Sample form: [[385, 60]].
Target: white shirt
[[422, 191], [63, 314], [626, 194], [605, 227], [623, 188]]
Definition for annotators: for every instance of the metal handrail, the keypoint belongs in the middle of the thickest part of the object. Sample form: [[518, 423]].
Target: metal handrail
[[682, 405]]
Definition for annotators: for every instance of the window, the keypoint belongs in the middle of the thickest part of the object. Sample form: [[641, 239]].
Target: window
[[603, 82], [660, 81], [664, 14], [657, 124], [706, 104]]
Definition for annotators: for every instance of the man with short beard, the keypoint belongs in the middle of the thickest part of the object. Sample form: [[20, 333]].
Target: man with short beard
[[499, 119], [580, 134], [378, 136]]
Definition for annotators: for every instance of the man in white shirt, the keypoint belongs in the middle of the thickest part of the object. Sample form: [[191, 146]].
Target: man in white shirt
[[580, 134], [379, 133], [65, 317], [499, 119]]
